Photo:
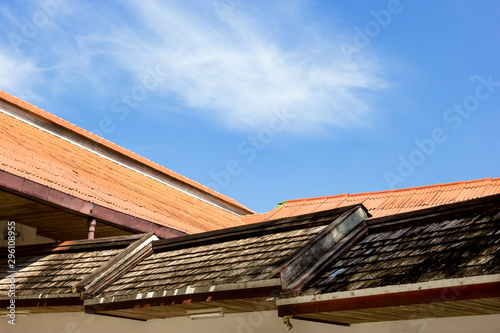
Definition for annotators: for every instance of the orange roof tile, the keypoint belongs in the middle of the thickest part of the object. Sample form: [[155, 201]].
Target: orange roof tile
[[126, 153], [52, 161], [386, 203]]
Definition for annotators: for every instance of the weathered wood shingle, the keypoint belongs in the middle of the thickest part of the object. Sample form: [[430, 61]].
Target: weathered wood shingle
[[58, 268], [242, 260], [52, 273], [437, 248]]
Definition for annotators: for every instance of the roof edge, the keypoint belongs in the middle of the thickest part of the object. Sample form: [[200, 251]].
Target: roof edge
[[44, 194], [96, 244], [187, 291], [406, 189], [97, 306], [39, 301], [37, 117], [445, 290]]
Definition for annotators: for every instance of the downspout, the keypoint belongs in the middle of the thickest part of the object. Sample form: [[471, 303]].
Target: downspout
[[91, 223]]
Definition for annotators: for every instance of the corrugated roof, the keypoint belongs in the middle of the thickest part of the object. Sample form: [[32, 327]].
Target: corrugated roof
[[40, 156], [386, 203]]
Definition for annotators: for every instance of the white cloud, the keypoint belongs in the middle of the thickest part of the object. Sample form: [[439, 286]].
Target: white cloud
[[233, 63], [17, 75], [239, 71]]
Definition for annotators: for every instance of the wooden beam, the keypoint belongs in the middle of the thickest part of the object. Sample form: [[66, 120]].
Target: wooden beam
[[305, 264], [320, 321], [43, 302], [264, 292], [425, 296], [116, 267], [80, 245]]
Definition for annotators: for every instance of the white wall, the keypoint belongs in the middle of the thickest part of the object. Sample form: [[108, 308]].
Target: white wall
[[262, 322], [27, 235]]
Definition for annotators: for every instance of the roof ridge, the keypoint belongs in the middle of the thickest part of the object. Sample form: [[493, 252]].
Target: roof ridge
[[326, 197], [407, 189], [270, 226], [114, 147]]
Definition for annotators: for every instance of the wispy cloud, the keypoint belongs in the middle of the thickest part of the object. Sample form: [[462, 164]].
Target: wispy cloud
[[14, 73], [234, 68]]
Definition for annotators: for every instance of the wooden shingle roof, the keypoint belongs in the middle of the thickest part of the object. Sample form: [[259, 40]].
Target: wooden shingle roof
[[233, 256], [238, 261], [448, 246], [237, 268], [334, 266], [71, 269], [439, 262]]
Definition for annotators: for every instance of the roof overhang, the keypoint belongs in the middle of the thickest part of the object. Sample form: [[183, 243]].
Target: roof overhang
[[46, 303], [55, 200], [476, 295], [234, 298]]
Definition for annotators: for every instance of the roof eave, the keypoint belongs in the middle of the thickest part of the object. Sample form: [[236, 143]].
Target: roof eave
[[41, 193], [187, 291], [426, 293]]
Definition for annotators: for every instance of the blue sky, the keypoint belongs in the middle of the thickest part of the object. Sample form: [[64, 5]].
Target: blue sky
[[266, 101]]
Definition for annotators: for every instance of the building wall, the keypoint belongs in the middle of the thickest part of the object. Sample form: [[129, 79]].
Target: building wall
[[262, 322], [25, 235]]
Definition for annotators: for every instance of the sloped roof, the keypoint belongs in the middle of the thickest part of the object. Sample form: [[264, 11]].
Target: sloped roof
[[236, 268], [443, 247], [386, 203], [418, 256], [55, 269], [182, 268], [241, 260], [55, 273], [437, 262], [45, 149]]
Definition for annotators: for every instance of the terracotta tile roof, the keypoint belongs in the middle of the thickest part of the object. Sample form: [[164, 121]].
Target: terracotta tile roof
[[44, 158], [386, 203], [67, 125]]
